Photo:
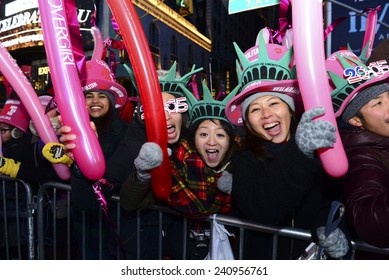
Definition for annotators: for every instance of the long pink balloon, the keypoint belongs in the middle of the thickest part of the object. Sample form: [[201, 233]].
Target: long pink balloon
[[149, 88], [371, 24], [67, 87], [98, 50], [30, 100], [307, 17]]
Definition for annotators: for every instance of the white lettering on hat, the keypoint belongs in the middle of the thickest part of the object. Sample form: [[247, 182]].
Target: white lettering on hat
[[12, 110], [118, 91], [252, 53], [5, 118], [342, 53], [286, 89], [89, 86], [253, 84], [12, 101], [102, 63], [105, 65]]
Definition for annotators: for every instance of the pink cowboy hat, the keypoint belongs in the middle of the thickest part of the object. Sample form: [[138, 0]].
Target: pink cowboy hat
[[98, 77]]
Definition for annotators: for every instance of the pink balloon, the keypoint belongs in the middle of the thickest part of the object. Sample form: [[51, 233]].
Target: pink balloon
[[30, 100], [308, 42], [149, 88], [67, 87], [371, 24], [98, 43], [194, 87]]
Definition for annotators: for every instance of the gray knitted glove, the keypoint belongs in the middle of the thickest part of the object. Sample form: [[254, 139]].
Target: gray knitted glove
[[149, 157], [335, 244], [224, 183], [314, 134]]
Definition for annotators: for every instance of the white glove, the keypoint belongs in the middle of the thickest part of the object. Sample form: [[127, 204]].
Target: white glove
[[335, 244], [149, 157], [224, 183]]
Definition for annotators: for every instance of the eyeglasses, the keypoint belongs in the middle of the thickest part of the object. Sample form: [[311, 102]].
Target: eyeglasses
[[4, 130], [172, 106]]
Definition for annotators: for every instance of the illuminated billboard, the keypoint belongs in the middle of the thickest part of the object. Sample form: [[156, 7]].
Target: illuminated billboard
[[20, 23]]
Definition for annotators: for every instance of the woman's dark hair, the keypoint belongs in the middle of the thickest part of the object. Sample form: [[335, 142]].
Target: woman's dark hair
[[227, 128], [185, 125], [254, 142]]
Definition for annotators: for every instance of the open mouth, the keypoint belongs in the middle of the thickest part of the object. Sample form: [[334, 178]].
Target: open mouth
[[171, 129], [95, 108], [212, 155], [272, 128]]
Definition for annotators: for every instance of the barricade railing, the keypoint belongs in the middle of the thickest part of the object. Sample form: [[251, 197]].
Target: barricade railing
[[357, 245], [231, 221], [17, 219], [47, 220]]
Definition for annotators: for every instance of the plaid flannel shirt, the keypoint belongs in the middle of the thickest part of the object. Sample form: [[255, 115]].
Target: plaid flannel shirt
[[194, 190]]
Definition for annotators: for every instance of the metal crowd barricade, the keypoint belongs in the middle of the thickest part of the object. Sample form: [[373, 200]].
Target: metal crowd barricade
[[244, 224], [240, 224], [47, 221], [17, 219]]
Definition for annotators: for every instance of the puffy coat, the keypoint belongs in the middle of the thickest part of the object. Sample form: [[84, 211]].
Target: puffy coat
[[366, 185]]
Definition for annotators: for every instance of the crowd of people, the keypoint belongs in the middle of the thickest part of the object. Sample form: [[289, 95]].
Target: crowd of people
[[252, 155]]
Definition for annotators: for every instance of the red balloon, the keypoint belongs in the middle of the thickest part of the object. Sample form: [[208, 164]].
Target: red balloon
[[149, 88]]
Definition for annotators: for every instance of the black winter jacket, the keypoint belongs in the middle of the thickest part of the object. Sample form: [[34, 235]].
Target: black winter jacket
[[286, 190], [366, 185], [82, 193]]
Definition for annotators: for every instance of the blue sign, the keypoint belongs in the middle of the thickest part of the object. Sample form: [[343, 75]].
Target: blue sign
[[237, 6]]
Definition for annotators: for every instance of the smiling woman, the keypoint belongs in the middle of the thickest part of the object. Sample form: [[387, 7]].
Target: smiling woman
[[103, 97], [201, 158], [199, 162], [277, 178], [97, 103], [269, 116], [212, 142]]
